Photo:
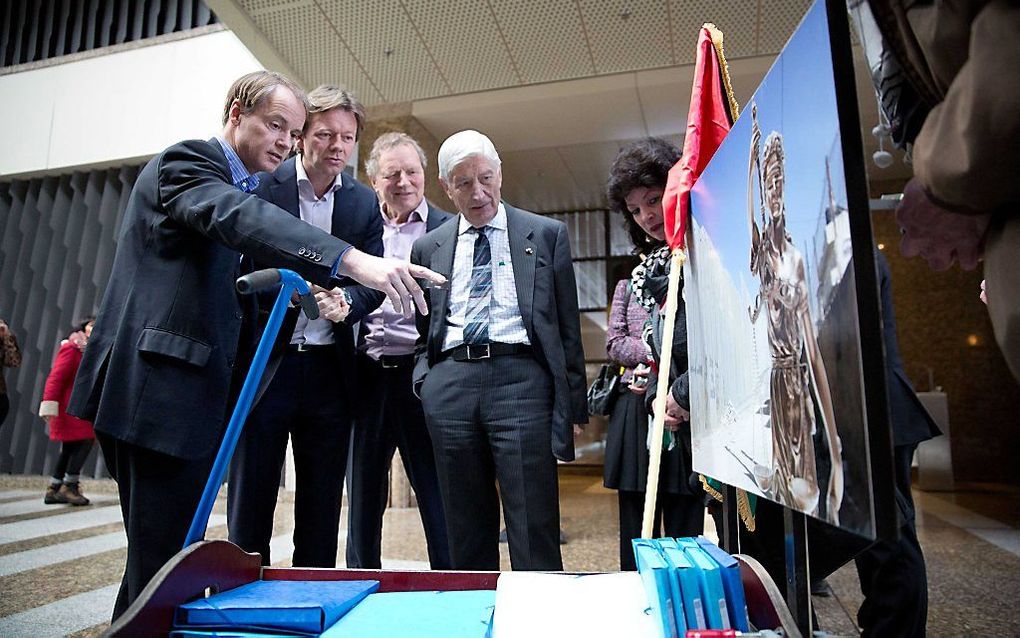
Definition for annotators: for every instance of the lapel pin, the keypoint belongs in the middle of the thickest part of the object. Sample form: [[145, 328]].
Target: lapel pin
[[529, 250]]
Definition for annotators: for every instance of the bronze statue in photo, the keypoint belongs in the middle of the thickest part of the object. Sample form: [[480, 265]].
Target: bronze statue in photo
[[800, 397]]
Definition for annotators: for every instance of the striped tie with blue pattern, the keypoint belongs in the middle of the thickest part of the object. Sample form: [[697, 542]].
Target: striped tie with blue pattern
[[476, 318]]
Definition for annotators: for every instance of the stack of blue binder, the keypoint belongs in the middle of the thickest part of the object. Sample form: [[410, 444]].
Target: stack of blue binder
[[691, 584], [272, 608]]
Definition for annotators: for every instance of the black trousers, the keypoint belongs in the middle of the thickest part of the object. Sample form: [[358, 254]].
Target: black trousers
[[306, 402], [390, 417], [675, 515], [72, 458], [158, 498], [892, 572], [5, 406], [490, 422]]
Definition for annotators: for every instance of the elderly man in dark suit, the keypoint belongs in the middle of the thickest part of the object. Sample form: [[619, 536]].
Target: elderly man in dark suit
[[389, 416], [499, 369], [311, 397], [156, 379]]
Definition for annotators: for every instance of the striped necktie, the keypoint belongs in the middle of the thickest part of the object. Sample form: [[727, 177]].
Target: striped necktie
[[476, 318]]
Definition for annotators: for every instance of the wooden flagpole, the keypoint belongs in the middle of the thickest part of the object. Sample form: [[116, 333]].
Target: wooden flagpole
[[661, 390]]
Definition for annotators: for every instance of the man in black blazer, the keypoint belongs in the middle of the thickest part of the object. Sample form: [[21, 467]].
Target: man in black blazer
[[311, 397], [499, 369], [892, 572], [156, 379], [389, 416]]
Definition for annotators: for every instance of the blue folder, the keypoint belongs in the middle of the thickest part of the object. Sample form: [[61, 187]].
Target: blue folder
[[732, 584], [423, 614], [226, 633], [655, 577], [717, 614], [286, 605], [687, 590]]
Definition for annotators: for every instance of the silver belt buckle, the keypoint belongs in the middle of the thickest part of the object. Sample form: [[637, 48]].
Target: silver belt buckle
[[386, 363], [302, 347], [482, 349]]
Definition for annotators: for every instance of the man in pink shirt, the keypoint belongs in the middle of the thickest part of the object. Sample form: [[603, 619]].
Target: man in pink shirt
[[389, 416]]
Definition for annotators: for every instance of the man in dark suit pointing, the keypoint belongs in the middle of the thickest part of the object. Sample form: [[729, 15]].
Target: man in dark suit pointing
[[156, 378], [499, 369], [311, 397]]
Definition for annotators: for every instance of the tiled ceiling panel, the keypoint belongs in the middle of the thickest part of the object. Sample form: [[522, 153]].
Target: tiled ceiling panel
[[381, 36], [625, 35], [318, 55], [777, 22], [465, 42], [450, 47], [737, 19], [253, 7], [546, 39]]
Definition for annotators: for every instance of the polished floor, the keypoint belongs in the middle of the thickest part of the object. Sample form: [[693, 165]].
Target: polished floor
[[59, 565]]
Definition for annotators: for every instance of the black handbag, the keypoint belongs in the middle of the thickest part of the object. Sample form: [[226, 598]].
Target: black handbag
[[604, 390]]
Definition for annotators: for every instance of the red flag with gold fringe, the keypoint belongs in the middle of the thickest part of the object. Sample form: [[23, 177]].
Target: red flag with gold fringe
[[712, 112]]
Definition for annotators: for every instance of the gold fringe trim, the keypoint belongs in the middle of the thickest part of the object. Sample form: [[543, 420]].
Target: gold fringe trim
[[744, 509], [711, 491], [743, 504], [717, 42]]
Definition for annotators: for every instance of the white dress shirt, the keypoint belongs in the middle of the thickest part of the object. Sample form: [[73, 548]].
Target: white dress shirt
[[505, 323], [319, 213]]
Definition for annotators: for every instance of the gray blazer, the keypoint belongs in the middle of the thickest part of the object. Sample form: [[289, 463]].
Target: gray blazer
[[547, 293]]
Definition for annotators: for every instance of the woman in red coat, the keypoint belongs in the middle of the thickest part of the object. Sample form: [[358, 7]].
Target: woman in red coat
[[75, 435]]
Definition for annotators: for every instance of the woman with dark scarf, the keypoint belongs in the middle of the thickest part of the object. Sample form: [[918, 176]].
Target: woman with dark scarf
[[636, 183]]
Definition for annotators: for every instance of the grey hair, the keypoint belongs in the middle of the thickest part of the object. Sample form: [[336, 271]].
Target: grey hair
[[387, 142], [460, 146]]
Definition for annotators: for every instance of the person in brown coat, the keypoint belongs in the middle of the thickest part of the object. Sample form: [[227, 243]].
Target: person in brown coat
[[10, 357], [75, 435], [948, 81]]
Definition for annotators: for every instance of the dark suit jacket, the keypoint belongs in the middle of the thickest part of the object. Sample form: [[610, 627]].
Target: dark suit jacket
[[157, 372], [547, 294], [911, 423], [436, 217], [356, 220]]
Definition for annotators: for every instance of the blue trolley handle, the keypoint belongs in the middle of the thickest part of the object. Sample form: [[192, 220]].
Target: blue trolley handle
[[249, 284]]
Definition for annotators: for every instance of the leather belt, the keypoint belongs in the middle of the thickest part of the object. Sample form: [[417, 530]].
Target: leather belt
[[480, 351], [308, 347], [394, 361]]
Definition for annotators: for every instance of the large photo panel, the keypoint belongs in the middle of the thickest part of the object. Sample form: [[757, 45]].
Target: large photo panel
[[778, 405]]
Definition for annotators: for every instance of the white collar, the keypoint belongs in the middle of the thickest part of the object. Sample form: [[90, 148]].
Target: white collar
[[498, 222], [302, 177]]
